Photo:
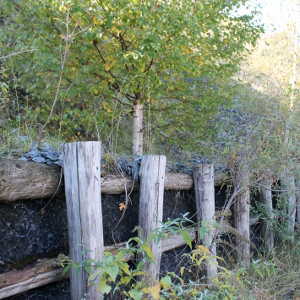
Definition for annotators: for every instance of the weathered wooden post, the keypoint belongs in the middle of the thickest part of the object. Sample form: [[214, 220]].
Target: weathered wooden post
[[289, 185], [152, 176], [267, 228], [205, 202], [298, 209], [242, 222], [82, 175]]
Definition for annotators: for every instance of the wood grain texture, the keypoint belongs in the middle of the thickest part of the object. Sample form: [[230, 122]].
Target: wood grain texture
[[32, 282], [205, 202], [242, 223], [73, 213], [288, 182], [152, 178], [267, 233], [28, 180], [82, 163]]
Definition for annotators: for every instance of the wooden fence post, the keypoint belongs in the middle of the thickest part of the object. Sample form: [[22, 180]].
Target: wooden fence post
[[289, 185], [152, 176], [267, 228], [242, 222], [82, 175], [298, 209], [205, 202]]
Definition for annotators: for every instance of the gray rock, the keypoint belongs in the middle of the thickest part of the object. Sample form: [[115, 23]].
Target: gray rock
[[48, 148], [49, 162], [125, 166], [34, 152], [181, 166], [136, 169], [23, 158], [58, 162], [53, 155], [187, 171], [39, 159]]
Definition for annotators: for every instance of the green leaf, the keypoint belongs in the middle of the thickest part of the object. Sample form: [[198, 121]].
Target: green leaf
[[149, 252], [202, 232], [136, 295], [88, 269], [186, 237], [103, 287], [112, 271], [151, 237], [66, 269], [159, 237], [78, 270], [125, 269], [166, 282], [120, 254], [259, 272], [139, 266]]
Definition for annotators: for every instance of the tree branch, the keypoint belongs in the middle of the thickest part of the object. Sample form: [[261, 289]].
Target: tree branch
[[151, 62], [123, 103], [61, 74]]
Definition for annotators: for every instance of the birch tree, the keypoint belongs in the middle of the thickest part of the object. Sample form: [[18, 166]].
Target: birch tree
[[193, 45]]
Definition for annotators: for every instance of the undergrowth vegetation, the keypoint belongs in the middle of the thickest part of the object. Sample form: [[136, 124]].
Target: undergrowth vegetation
[[275, 275]]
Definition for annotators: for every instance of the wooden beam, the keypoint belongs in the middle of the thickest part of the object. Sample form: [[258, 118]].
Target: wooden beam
[[21, 180], [46, 271]]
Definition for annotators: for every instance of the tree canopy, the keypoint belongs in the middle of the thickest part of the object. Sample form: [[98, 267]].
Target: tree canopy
[[172, 58]]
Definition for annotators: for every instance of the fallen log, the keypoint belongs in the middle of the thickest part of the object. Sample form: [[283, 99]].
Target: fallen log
[[46, 271], [21, 180]]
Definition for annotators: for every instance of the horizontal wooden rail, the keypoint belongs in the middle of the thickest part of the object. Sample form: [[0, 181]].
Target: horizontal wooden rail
[[28, 180], [48, 270]]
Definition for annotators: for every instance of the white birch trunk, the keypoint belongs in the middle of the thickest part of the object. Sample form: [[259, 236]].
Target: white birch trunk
[[137, 135], [205, 201]]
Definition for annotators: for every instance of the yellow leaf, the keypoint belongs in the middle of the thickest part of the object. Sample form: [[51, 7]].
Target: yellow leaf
[[203, 258], [203, 249], [125, 269], [121, 206], [149, 252], [96, 21], [153, 291], [4, 75]]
